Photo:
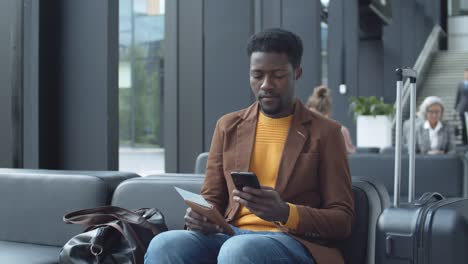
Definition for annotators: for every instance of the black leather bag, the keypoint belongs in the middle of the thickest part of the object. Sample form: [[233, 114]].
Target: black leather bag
[[113, 235]]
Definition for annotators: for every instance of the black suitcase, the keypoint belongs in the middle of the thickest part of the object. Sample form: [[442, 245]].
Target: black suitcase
[[429, 230]]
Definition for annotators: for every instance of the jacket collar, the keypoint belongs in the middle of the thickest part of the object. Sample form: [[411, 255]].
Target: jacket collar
[[301, 114], [297, 136], [436, 129]]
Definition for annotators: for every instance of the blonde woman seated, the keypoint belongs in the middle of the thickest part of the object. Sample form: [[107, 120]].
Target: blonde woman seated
[[320, 101], [433, 135]]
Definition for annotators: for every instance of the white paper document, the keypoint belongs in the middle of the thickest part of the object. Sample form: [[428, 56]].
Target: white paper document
[[193, 197]]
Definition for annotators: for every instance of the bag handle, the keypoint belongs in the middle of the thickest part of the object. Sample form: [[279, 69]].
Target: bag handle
[[105, 214], [96, 246]]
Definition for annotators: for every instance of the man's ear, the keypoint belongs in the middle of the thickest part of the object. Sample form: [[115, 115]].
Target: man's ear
[[298, 72]]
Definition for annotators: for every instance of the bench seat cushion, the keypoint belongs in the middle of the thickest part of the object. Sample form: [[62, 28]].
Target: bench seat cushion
[[21, 253]]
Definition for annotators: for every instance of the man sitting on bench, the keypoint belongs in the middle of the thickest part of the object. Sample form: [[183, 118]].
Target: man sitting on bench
[[305, 204]]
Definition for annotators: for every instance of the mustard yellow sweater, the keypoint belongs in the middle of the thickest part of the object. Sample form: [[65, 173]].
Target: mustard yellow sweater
[[270, 137]]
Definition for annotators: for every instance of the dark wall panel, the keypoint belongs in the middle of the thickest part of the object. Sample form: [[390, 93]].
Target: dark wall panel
[[351, 62], [30, 66], [78, 85], [207, 39], [370, 58], [343, 59], [408, 32], [335, 56], [271, 13], [50, 89], [227, 27], [303, 18], [190, 92], [370, 62], [89, 107], [392, 48], [171, 84], [7, 74], [404, 39]]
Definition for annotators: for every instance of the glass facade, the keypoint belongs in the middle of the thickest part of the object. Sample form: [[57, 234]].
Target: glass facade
[[457, 7], [141, 75]]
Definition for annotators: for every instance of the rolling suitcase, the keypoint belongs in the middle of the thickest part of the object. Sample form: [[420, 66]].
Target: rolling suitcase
[[428, 230]]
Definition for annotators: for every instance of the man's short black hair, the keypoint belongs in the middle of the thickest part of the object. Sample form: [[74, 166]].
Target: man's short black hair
[[278, 41]]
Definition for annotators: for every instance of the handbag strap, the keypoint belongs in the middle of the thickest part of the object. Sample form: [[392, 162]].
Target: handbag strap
[[124, 235], [105, 214]]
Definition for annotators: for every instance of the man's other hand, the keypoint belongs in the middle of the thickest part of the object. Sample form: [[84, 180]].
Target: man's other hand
[[198, 222], [265, 203]]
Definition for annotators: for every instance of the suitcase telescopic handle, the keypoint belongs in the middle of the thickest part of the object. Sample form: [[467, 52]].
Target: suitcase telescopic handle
[[401, 73]]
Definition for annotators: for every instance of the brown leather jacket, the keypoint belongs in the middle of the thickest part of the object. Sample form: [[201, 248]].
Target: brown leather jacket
[[313, 175]]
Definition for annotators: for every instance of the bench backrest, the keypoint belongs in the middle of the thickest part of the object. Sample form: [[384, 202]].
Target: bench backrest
[[32, 205], [434, 173], [158, 191], [200, 163], [33, 202]]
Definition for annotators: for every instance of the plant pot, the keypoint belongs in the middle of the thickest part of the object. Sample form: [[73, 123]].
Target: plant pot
[[374, 131]]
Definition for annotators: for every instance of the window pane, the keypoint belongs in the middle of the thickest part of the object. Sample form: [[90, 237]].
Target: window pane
[[10, 48], [141, 70]]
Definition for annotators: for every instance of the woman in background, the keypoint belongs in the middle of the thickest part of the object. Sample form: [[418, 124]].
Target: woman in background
[[433, 135], [320, 101]]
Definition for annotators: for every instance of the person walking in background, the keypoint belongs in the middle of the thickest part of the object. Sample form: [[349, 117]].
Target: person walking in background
[[433, 135], [320, 101], [461, 104]]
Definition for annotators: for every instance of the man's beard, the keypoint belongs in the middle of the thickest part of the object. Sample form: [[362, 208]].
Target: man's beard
[[272, 108], [272, 111]]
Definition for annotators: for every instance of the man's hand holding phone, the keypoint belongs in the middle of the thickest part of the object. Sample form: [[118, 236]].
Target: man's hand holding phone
[[264, 202]]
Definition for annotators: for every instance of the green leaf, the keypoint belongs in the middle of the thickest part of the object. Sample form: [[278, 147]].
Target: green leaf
[[369, 105]]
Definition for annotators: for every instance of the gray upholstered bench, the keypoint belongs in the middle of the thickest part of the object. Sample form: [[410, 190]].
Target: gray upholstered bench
[[158, 191], [33, 202], [434, 173]]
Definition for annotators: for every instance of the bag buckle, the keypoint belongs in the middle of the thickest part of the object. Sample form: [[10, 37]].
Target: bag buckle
[[96, 250]]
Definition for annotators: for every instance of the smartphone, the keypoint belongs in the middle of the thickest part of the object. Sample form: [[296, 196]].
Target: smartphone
[[242, 179]]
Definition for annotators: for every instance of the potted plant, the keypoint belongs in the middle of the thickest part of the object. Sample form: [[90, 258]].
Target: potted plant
[[373, 118]]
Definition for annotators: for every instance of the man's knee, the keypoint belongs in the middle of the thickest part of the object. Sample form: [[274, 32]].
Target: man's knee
[[166, 246], [240, 249]]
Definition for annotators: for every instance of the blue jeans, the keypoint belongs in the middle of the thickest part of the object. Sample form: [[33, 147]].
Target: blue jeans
[[181, 246]]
